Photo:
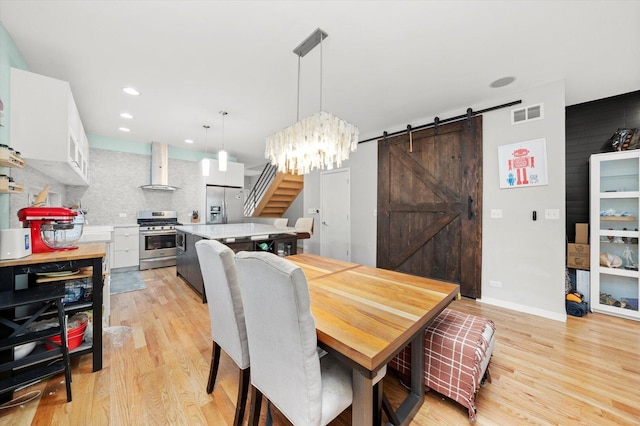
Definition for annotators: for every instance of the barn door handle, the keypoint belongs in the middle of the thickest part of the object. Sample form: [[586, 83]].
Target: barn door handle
[[469, 208]]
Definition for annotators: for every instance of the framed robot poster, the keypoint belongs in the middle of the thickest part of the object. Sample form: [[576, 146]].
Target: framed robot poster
[[523, 164]]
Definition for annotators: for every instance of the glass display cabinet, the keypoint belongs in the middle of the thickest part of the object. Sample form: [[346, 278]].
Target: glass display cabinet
[[615, 200]]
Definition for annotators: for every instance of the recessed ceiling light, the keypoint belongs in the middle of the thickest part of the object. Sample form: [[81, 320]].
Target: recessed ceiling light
[[126, 115], [188, 140], [501, 82], [130, 91], [124, 129]]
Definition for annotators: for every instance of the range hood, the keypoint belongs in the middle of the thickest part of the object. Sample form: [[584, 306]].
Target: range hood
[[159, 168]]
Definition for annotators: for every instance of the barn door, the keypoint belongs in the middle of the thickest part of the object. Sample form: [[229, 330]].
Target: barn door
[[430, 204]]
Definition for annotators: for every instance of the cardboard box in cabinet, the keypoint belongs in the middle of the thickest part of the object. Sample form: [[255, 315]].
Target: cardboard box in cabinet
[[582, 233], [578, 256]]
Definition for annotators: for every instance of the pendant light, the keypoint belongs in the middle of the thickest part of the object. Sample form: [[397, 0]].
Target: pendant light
[[222, 154], [205, 161]]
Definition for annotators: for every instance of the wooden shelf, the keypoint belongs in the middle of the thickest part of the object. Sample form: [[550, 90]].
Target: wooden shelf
[[8, 160], [86, 272], [7, 187], [618, 218]]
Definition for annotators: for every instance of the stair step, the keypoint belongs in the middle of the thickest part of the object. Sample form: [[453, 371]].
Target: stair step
[[291, 184], [286, 191], [277, 211], [277, 204], [284, 198]]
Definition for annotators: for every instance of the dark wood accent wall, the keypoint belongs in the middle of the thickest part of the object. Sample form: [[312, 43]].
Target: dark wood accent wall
[[588, 128]]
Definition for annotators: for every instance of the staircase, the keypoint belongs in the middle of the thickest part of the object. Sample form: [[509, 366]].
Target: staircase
[[273, 193]]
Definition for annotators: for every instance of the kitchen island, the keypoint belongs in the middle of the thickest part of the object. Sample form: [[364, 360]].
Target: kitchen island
[[238, 236]]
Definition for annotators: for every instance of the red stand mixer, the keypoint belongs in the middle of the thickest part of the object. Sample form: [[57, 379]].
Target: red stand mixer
[[52, 228]]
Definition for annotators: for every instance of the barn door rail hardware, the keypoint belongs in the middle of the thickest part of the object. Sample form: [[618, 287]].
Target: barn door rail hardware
[[438, 121]]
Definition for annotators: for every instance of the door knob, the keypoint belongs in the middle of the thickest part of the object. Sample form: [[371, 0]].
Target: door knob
[[324, 223]]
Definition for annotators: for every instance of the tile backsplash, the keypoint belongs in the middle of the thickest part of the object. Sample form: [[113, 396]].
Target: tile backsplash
[[114, 191]]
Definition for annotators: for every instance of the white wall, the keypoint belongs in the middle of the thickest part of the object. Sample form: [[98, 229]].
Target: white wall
[[527, 257]]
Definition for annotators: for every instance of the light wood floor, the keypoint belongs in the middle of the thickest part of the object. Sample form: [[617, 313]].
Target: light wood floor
[[158, 348]]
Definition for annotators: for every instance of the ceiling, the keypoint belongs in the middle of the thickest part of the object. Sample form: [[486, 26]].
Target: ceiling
[[385, 63]]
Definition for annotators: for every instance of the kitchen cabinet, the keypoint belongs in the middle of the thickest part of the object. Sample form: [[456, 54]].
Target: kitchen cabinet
[[87, 261], [126, 241], [238, 237], [46, 127], [234, 176], [187, 264], [615, 205]]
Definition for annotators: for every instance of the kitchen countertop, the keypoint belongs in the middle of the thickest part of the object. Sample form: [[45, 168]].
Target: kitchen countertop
[[84, 251], [232, 231]]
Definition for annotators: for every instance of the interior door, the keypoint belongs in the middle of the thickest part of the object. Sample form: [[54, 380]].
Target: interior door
[[430, 204], [335, 234]]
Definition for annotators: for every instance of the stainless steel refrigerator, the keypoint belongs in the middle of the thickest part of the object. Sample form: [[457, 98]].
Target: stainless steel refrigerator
[[225, 204]]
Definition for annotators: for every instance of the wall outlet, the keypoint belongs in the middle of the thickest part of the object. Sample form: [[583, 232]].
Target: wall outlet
[[123, 215], [552, 214], [496, 213], [496, 284]]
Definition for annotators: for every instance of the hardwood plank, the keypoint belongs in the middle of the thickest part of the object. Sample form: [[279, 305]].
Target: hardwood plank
[[584, 371]]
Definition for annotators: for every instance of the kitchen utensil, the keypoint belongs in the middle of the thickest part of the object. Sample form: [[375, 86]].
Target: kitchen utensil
[[41, 197]]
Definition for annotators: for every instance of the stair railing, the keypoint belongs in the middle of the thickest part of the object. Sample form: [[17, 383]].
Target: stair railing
[[260, 188]]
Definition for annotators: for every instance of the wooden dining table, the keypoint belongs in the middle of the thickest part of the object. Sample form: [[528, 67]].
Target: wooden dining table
[[365, 316]]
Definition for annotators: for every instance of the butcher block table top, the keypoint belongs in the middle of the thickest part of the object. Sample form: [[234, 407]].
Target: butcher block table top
[[84, 251], [366, 315]]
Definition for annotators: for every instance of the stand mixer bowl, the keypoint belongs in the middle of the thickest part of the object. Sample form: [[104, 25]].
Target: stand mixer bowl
[[62, 235]]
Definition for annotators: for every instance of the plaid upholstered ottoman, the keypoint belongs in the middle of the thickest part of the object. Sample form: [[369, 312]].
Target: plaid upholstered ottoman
[[457, 352]]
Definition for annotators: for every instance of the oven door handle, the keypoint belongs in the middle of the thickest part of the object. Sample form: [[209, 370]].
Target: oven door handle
[[167, 232]]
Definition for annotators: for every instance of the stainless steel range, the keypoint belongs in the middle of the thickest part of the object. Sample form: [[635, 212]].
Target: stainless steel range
[[157, 238]]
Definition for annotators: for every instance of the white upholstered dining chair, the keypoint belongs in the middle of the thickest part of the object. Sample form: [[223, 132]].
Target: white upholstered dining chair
[[304, 227], [226, 314], [285, 366], [281, 222]]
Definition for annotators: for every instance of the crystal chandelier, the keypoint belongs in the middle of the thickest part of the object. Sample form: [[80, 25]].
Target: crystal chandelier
[[318, 141]]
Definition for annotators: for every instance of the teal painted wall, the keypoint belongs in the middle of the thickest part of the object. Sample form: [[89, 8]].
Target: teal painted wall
[[9, 57], [112, 144]]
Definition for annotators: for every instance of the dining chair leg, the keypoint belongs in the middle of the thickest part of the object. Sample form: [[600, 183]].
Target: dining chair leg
[[213, 371], [243, 391], [256, 402]]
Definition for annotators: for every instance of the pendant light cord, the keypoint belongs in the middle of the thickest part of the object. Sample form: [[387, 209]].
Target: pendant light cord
[[298, 111], [206, 131], [223, 114]]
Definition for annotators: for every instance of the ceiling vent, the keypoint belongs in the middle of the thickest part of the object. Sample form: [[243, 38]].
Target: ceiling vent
[[530, 113]]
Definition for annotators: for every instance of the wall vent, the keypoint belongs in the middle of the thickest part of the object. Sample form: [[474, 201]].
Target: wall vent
[[530, 113]]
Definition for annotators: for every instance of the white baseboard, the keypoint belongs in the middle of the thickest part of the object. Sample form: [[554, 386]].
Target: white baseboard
[[524, 309]]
